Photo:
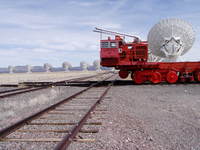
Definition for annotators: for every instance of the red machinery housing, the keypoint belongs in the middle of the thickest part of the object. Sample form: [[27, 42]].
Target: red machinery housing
[[131, 58]]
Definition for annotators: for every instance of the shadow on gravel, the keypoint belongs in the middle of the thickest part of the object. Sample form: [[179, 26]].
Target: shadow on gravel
[[120, 83]]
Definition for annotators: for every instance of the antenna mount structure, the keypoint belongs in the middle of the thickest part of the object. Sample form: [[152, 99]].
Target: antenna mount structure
[[102, 31]]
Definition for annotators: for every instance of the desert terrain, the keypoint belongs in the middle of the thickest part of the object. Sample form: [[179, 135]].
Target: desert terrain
[[138, 117]]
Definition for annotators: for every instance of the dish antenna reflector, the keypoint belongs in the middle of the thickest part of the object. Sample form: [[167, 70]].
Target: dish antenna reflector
[[171, 38]]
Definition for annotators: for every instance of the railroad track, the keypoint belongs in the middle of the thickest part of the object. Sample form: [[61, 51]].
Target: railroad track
[[59, 125], [35, 86]]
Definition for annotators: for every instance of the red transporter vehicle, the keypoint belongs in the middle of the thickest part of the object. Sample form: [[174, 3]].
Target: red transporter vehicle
[[131, 58]]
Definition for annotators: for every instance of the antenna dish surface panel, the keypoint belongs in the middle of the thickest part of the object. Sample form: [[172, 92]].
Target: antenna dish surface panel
[[171, 38]]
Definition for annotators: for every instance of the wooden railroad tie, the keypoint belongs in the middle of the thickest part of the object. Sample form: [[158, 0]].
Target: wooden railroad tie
[[43, 140], [63, 123], [57, 131]]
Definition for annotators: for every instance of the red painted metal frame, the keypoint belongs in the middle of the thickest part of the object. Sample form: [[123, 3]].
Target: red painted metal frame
[[132, 58]]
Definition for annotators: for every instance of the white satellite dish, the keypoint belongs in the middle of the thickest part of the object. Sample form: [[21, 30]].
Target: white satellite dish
[[170, 38]]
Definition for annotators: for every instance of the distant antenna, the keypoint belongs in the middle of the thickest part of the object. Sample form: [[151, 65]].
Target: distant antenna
[[102, 31]]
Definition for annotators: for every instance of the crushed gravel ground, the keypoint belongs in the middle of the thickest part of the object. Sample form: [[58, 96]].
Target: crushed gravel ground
[[150, 117], [20, 106], [137, 117], [32, 102], [2, 89]]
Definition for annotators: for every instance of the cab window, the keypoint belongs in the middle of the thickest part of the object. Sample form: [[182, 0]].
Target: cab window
[[104, 45], [130, 47], [113, 44]]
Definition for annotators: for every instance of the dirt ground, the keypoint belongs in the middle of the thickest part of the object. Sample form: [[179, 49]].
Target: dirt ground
[[152, 117], [148, 117], [43, 76]]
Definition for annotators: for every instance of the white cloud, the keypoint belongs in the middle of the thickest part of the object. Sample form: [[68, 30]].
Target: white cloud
[[62, 30], [108, 25], [41, 50], [84, 3]]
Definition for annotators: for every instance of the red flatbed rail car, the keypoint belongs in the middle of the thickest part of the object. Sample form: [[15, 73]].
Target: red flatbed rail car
[[131, 58]]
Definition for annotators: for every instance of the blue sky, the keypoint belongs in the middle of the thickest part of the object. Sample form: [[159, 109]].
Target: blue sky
[[53, 31]]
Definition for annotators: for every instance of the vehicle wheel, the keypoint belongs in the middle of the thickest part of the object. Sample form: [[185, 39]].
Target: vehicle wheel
[[156, 77], [138, 78], [172, 77], [123, 74], [197, 76]]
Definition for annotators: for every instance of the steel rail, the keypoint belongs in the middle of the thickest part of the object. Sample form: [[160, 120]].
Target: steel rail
[[58, 83], [81, 78], [46, 86], [13, 90], [69, 137], [6, 131], [21, 92]]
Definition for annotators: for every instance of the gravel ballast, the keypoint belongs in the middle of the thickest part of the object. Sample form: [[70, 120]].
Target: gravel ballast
[[20, 106], [137, 117], [23, 105], [151, 117]]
